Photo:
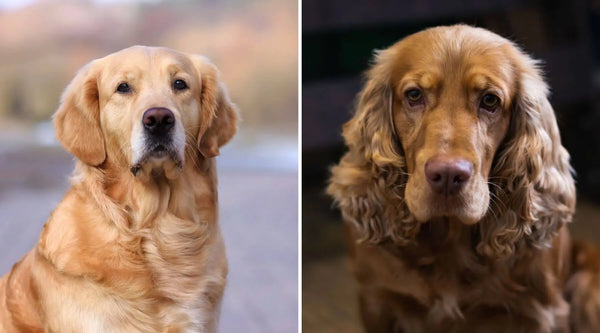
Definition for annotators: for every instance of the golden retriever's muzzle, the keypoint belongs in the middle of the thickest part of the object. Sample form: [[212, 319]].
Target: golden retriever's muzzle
[[158, 126]]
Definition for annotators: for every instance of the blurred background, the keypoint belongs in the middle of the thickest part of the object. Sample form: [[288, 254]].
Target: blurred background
[[255, 45], [338, 39]]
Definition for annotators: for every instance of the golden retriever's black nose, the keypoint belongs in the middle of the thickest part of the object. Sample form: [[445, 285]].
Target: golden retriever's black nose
[[158, 121], [446, 175]]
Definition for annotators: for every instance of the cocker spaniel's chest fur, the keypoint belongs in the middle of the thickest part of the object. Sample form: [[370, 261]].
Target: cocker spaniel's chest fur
[[447, 285]]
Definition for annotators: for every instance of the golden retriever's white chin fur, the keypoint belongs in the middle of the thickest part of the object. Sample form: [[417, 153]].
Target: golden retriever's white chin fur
[[156, 167]]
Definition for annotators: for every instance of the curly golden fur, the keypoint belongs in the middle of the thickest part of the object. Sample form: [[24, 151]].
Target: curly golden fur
[[498, 249], [134, 246]]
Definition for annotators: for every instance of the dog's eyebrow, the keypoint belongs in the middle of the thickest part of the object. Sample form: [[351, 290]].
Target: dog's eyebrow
[[479, 81], [125, 72], [425, 80], [428, 80], [174, 69]]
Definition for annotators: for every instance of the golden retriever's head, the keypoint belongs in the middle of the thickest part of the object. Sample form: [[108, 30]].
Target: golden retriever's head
[[454, 123], [145, 109]]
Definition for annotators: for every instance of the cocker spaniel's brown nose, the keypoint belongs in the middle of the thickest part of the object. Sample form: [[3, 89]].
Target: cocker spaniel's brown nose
[[446, 175], [158, 121]]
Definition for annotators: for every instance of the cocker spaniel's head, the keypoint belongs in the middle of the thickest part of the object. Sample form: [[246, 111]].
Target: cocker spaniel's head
[[454, 123]]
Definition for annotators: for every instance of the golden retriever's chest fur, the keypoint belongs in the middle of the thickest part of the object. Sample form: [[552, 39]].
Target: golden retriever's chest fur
[[186, 264], [164, 271]]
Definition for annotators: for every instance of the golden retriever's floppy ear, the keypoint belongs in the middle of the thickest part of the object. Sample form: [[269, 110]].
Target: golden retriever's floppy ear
[[219, 115], [77, 120], [532, 170], [368, 183]]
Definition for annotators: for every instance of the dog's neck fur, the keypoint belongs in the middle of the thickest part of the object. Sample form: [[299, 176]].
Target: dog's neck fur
[[181, 192], [437, 241], [445, 258], [151, 233]]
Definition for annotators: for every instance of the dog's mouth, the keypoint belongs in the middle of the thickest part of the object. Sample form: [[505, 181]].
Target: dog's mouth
[[158, 155], [467, 206]]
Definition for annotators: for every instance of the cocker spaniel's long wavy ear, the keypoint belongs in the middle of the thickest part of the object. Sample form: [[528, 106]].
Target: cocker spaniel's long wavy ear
[[533, 171], [77, 120], [368, 183], [219, 116]]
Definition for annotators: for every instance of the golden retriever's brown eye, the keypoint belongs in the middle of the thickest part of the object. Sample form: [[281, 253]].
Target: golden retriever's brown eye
[[123, 88], [489, 102], [414, 95], [179, 85]]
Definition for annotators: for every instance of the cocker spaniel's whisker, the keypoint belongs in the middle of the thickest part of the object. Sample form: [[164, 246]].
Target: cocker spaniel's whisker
[[494, 203], [493, 194]]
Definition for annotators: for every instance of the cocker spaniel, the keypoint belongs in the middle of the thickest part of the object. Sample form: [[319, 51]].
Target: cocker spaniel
[[457, 191], [134, 246]]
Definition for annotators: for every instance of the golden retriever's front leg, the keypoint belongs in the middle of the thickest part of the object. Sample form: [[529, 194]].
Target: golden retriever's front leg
[[212, 290], [213, 299], [20, 310], [204, 318], [5, 317], [215, 313]]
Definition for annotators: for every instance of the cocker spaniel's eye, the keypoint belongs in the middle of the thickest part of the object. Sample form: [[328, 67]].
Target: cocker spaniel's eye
[[414, 96], [123, 88], [489, 102], [179, 85]]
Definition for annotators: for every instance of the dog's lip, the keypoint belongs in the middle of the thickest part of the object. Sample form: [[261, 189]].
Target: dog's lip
[[158, 150], [452, 209], [439, 206]]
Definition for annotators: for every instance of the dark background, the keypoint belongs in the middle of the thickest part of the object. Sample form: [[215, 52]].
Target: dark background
[[338, 39]]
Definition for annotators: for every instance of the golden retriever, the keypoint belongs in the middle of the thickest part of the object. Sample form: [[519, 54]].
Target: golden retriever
[[134, 246], [457, 192]]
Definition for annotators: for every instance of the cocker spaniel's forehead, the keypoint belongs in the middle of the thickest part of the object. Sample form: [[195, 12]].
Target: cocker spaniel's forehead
[[427, 60]]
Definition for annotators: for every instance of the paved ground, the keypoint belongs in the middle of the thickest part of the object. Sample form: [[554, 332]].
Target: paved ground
[[258, 216]]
